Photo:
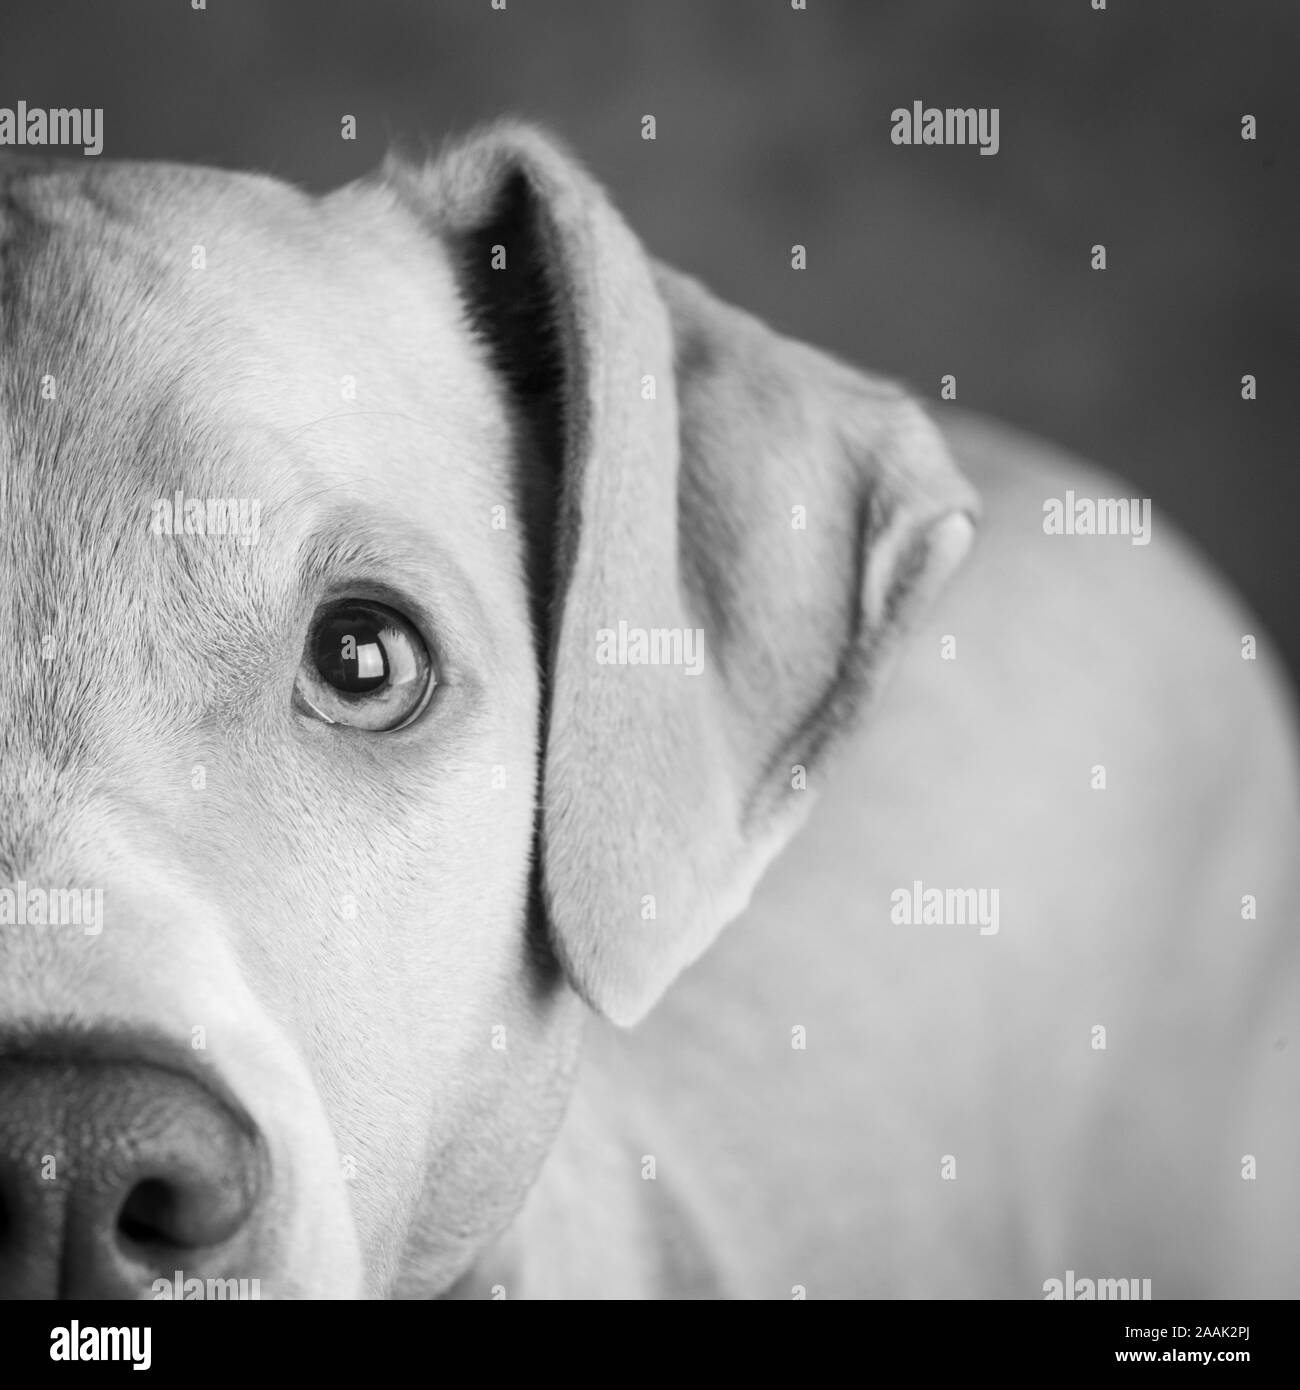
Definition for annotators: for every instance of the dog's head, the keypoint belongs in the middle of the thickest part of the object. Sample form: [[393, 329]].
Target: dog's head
[[423, 618]]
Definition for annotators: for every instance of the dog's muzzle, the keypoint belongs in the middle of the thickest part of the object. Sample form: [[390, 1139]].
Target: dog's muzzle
[[119, 1167]]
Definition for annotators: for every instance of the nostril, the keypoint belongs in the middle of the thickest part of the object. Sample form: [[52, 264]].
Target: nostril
[[197, 1203], [149, 1215]]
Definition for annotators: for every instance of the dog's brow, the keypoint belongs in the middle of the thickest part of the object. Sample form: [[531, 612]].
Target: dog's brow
[[389, 552]]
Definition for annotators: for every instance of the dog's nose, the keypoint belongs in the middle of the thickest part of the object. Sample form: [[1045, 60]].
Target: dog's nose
[[117, 1173]]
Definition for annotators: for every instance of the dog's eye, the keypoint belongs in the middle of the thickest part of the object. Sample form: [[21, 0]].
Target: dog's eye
[[365, 666]]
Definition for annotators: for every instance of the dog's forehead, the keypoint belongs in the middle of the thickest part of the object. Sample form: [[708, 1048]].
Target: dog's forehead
[[134, 293], [163, 327], [172, 336]]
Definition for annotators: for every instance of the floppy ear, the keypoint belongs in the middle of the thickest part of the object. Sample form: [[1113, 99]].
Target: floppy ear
[[744, 529]]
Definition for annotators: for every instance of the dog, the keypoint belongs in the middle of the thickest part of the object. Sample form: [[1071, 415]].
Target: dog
[[430, 621]]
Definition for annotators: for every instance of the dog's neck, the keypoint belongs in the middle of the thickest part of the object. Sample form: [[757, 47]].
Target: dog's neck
[[595, 1224]]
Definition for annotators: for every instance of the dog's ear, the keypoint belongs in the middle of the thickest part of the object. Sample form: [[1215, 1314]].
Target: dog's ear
[[743, 531]]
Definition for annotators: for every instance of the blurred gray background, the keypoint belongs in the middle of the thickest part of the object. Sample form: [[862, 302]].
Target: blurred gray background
[[773, 128]]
